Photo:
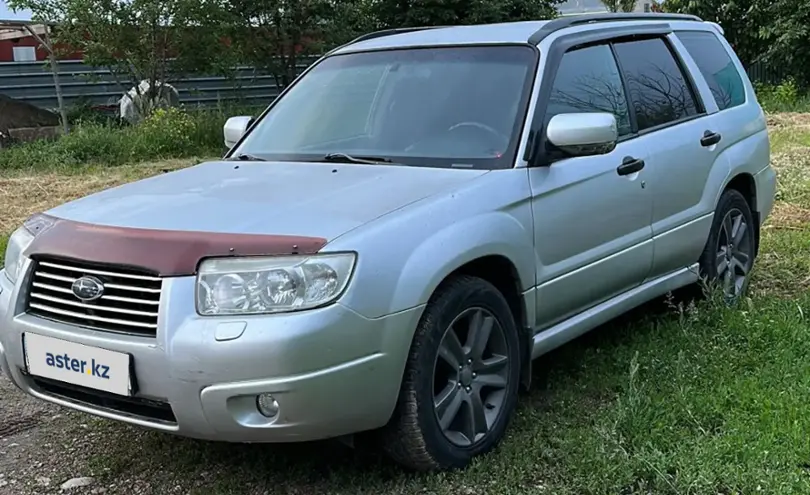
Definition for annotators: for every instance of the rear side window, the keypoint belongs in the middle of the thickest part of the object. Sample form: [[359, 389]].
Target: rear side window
[[658, 89], [588, 80], [716, 66]]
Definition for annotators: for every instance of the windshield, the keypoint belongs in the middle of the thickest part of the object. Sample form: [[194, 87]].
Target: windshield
[[440, 107]]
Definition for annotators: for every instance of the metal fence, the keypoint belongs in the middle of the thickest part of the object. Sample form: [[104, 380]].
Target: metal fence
[[763, 73], [32, 82]]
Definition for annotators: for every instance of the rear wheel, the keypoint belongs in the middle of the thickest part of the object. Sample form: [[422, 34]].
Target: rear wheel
[[729, 254], [461, 381]]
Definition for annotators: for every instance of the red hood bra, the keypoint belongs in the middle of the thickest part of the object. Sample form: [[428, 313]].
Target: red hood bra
[[167, 253]]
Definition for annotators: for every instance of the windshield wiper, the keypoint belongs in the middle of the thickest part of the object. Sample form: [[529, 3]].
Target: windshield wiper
[[244, 157], [345, 158]]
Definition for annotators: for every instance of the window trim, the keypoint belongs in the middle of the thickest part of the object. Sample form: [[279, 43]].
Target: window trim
[[717, 37], [535, 152], [700, 107], [630, 108]]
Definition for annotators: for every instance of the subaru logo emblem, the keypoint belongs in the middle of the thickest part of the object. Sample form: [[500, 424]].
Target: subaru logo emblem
[[87, 288]]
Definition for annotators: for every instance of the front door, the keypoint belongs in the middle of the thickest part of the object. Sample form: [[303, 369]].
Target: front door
[[593, 237]]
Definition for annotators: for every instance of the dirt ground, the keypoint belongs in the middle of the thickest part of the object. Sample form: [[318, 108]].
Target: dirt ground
[[42, 445]]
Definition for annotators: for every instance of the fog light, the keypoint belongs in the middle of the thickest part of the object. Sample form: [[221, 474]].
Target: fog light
[[267, 405]]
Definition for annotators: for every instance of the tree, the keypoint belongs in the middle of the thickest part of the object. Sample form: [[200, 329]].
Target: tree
[[138, 40], [275, 35], [619, 5], [740, 19], [787, 36], [413, 13]]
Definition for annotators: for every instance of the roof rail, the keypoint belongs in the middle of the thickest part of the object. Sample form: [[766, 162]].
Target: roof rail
[[389, 32], [555, 25]]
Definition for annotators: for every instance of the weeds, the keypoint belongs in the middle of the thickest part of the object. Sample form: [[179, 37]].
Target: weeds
[[167, 134], [784, 97]]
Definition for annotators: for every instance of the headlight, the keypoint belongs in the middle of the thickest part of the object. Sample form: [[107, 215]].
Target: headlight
[[260, 285], [13, 260]]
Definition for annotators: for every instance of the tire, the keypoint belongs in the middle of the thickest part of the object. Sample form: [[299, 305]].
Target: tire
[[414, 437], [727, 263]]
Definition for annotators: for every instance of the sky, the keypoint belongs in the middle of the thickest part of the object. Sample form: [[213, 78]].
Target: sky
[[7, 14]]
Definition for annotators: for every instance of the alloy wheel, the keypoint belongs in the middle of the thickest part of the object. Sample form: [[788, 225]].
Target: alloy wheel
[[735, 249], [470, 376]]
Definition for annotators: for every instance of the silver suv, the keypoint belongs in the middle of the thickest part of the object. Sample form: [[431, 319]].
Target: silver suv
[[390, 244]]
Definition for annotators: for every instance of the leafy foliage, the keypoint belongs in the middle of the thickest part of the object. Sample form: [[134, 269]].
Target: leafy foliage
[[787, 37], [137, 40], [773, 31], [166, 133], [410, 13], [740, 19], [274, 35]]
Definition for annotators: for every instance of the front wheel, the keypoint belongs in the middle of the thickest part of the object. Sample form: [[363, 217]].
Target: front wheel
[[729, 254], [460, 385]]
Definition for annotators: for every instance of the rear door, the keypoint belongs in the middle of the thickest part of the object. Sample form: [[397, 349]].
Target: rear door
[[684, 146]]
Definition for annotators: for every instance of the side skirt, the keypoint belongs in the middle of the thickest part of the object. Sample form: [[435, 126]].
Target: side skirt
[[578, 325]]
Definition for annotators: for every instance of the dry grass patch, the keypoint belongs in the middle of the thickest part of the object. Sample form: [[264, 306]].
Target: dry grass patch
[[24, 195], [783, 267], [788, 119], [789, 216]]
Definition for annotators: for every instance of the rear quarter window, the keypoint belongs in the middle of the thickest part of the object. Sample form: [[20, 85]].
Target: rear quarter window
[[716, 66]]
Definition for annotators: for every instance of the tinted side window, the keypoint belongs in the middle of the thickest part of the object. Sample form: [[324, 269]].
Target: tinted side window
[[716, 66], [658, 89], [588, 80]]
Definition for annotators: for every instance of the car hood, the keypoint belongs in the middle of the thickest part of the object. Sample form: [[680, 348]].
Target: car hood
[[283, 198]]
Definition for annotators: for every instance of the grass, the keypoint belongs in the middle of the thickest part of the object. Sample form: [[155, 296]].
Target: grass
[[167, 134], [674, 398]]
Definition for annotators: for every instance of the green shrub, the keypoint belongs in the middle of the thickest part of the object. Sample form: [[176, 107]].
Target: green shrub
[[784, 97], [168, 133], [83, 112]]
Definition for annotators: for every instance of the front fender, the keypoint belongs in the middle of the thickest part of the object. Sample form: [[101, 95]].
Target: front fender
[[404, 256], [437, 256]]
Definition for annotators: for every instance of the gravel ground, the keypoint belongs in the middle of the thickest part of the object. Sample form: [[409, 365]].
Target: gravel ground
[[44, 446], [24, 443]]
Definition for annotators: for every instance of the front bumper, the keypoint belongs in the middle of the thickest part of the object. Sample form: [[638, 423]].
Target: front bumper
[[332, 371]]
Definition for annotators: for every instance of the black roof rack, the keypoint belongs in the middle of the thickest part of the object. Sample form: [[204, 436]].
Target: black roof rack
[[574, 20], [390, 32]]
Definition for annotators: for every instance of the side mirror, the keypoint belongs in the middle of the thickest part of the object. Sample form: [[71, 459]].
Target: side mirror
[[583, 134], [234, 128]]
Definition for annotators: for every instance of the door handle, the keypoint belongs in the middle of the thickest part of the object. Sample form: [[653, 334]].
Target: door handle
[[710, 138], [630, 165]]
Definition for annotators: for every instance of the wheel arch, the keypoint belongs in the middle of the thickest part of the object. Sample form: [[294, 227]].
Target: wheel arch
[[745, 184], [495, 246], [502, 273]]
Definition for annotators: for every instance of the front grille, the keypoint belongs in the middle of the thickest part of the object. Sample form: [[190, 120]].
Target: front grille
[[129, 303]]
